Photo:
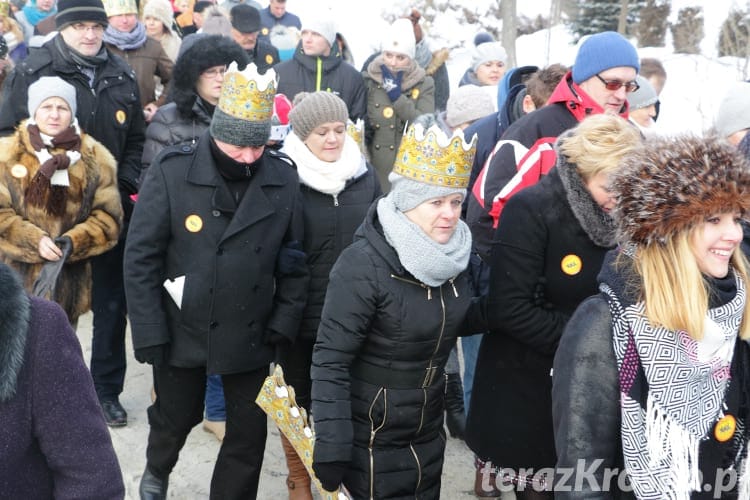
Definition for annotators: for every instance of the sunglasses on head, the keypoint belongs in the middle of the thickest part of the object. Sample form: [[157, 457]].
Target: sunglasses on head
[[614, 85]]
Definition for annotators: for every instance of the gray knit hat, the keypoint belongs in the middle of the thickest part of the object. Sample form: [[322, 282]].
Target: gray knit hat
[[643, 97], [50, 86], [466, 104], [243, 114], [310, 109], [734, 110]]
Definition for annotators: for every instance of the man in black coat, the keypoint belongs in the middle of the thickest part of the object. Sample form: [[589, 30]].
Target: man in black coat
[[217, 282], [109, 109], [246, 26]]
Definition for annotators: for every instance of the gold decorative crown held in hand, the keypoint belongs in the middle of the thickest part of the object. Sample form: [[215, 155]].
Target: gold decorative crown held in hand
[[430, 156], [247, 94], [277, 401], [357, 132]]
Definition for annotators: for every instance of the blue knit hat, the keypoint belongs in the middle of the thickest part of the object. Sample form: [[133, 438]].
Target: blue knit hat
[[601, 52]]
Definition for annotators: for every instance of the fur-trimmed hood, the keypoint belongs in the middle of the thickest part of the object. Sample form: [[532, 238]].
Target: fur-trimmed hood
[[439, 57], [671, 184], [14, 320]]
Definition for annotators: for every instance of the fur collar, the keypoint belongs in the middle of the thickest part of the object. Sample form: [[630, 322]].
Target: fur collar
[[439, 57], [412, 75], [14, 321], [597, 224]]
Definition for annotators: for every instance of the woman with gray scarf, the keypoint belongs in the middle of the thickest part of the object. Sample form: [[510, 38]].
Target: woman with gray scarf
[[397, 299]]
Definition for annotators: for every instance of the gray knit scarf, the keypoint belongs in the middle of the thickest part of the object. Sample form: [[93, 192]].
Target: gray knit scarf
[[126, 41], [430, 262]]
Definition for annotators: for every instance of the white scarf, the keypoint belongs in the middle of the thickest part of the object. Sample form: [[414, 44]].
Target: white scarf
[[324, 176]]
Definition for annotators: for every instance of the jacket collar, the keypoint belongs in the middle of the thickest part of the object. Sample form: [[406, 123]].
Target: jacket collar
[[577, 101], [14, 320]]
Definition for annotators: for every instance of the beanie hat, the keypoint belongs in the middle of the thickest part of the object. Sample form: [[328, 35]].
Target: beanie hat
[[466, 104], [323, 26], [483, 37], [245, 18], [670, 184], [734, 110], [120, 7], [601, 52], [161, 10], [399, 37], [486, 52], [312, 109], [644, 97], [77, 11], [243, 115], [216, 23], [50, 86], [280, 118], [429, 165]]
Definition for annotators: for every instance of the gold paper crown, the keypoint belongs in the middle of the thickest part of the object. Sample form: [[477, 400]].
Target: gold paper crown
[[431, 157], [119, 7], [357, 132], [4, 8], [248, 95]]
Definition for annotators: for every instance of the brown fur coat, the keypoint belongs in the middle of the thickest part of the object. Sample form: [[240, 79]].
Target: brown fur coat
[[92, 218]]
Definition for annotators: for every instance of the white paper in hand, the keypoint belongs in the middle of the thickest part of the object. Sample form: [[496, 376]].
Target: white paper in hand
[[174, 289]]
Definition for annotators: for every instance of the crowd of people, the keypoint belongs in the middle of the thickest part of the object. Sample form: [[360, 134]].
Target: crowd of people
[[223, 179]]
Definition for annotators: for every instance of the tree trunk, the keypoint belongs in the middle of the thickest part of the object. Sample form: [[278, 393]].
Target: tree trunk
[[622, 19], [510, 29]]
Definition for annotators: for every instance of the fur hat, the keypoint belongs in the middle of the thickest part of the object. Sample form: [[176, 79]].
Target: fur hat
[[322, 25], [245, 18], [399, 38], [601, 52], [50, 86], [670, 184], [734, 110], [161, 10], [243, 115], [312, 109], [120, 7], [77, 11], [199, 52], [466, 104], [215, 22], [643, 97], [486, 52]]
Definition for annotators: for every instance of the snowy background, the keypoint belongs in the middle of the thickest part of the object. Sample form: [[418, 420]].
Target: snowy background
[[695, 83]]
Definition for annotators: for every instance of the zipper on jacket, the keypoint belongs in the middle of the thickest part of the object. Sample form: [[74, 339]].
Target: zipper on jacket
[[319, 74], [335, 200], [419, 468], [374, 431], [453, 285], [418, 283]]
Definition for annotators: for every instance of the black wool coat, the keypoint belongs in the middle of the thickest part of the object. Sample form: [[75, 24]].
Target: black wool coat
[[539, 245], [378, 362], [241, 279]]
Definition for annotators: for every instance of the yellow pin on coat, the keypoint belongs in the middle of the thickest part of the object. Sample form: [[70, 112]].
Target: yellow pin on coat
[[193, 223], [725, 427], [571, 265]]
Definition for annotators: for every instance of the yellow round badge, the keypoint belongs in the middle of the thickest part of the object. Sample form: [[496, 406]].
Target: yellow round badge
[[269, 59], [264, 31], [415, 93], [19, 171], [120, 116], [725, 427], [571, 265], [193, 223], [388, 111]]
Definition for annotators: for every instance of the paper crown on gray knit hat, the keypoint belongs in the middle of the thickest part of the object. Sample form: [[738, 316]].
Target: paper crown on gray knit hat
[[429, 164], [734, 110], [80, 11], [310, 109], [243, 114], [50, 86], [466, 104], [643, 97], [601, 52]]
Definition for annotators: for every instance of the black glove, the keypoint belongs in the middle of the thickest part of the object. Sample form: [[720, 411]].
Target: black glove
[[539, 297], [330, 474], [46, 283], [292, 259], [275, 338], [155, 355], [391, 82]]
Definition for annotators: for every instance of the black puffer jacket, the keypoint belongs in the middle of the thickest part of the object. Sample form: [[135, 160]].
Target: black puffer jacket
[[302, 72], [378, 383], [330, 223]]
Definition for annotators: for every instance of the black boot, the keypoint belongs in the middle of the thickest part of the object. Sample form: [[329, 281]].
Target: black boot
[[151, 487], [455, 418]]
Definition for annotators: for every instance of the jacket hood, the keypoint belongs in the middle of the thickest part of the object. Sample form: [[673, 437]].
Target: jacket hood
[[15, 314], [578, 102], [372, 231]]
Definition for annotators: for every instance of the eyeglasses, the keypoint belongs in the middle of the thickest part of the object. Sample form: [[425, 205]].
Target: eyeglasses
[[615, 85], [94, 28], [214, 72]]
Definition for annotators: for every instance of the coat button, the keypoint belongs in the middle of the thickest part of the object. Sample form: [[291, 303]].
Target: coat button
[[258, 249], [255, 288], [216, 213], [219, 251], [390, 147], [377, 146], [392, 126], [377, 104], [186, 149], [213, 325]]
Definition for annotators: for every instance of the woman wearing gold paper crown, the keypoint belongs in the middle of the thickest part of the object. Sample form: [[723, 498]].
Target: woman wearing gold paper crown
[[338, 186], [398, 298]]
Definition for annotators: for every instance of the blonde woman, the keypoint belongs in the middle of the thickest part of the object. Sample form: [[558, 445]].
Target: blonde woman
[[651, 376], [158, 20]]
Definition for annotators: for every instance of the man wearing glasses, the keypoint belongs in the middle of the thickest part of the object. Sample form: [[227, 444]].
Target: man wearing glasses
[[109, 109], [602, 77]]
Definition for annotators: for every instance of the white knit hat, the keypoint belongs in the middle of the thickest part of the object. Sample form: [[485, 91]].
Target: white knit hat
[[644, 97], [399, 38], [734, 110], [323, 26], [161, 10], [486, 52], [466, 104], [50, 86]]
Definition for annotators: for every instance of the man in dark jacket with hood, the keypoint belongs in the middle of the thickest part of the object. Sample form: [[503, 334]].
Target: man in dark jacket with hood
[[317, 65], [109, 109]]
